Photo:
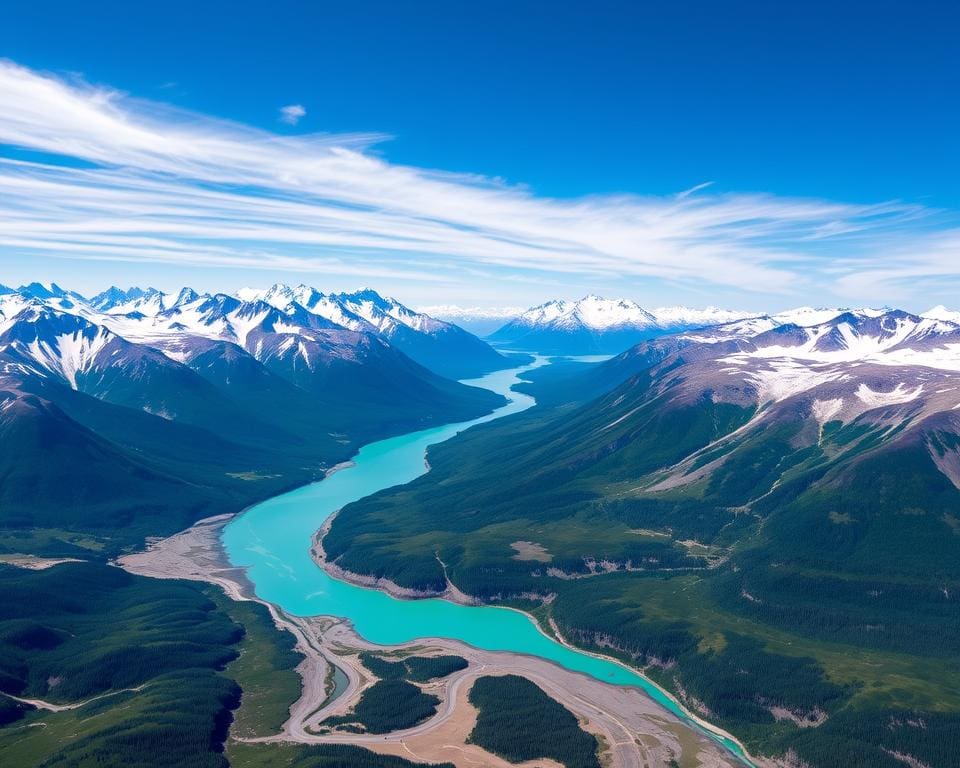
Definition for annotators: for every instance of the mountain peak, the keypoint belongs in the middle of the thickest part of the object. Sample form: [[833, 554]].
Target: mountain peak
[[590, 312], [186, 296], [115, 297], [282, 295], [369, 294], [42, 291], [940, 312]]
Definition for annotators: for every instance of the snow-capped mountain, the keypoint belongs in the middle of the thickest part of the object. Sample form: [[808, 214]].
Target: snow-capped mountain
[[218, 317], [61, 345], [862, 361], [309, 351], [238, 398], [281, 296], [42, 291], [438, 345], [170, 321], [808, 404], [365, 310], [940, 312], [803, 317], [857, 415], [148, 302], [759, 361], [594, 325], [142, 406], [46, 332], [855, 351], [591, 312], [387, 315], [70, 350]]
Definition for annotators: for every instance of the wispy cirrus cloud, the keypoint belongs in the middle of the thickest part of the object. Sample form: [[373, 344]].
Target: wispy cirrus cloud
[[112, 177]]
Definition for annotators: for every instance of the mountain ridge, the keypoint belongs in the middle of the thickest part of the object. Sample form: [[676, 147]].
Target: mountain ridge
[[763, 519], [594, 325], [436, 344], [265, 398]]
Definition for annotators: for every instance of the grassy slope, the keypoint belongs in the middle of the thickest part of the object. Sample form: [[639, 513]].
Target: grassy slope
[[265, 669]]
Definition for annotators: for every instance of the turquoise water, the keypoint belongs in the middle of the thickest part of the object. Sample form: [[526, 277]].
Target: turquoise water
[[272, 541]]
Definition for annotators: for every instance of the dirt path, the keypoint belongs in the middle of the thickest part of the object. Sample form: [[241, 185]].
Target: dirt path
[[637, 732], [51, 707], [34, 563]]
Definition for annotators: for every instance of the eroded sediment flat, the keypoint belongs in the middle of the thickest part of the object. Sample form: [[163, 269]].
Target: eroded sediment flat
[[634, 730]]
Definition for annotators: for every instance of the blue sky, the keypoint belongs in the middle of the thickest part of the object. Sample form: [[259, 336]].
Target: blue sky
[[489, 153]]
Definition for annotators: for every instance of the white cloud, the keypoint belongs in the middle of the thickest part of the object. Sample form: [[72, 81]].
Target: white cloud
[[147, 182], [292, 113]]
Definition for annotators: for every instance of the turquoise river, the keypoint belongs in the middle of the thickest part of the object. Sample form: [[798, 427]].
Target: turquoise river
[[272, 541]]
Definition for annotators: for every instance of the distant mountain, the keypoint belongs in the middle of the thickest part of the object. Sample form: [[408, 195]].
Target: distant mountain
[[52, 294], [42, 291], [594, 325], [940, 312], [440, 346], [582, 385], [219, 400], [148, 301], [4, 290]]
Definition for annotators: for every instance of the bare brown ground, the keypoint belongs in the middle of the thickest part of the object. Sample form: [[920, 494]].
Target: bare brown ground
[[34, 563], [530, 550]]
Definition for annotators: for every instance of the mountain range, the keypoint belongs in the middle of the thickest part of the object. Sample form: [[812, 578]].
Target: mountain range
[[760, 510], [763, 514], [594, 325], [135, 411]]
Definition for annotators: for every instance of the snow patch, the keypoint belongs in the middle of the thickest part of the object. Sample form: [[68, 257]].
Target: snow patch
[[786, 378], [824, 410], [896, 396]]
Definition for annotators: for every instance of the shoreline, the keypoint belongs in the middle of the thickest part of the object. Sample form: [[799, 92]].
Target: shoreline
[[319, 557], [454, 595], [620, 713]]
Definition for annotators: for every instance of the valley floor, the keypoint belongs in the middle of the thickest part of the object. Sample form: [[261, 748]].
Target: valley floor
[[632, 729]]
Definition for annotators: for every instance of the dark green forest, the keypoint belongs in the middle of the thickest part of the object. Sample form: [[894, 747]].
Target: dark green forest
[[518, 721], [165, 668], [417, 669], [325, 756], [394, 702], [388, 705], [152, 650]]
